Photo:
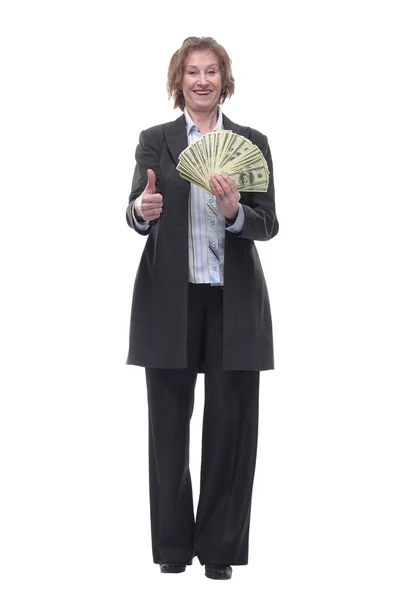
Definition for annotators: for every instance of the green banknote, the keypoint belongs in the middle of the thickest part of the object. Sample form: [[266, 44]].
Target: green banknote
[[226, 152]]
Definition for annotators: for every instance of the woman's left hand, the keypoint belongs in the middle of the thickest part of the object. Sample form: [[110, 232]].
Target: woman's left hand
[[224, 189]]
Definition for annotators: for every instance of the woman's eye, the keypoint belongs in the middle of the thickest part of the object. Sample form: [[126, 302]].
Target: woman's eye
[[211, 72], [192, 72]]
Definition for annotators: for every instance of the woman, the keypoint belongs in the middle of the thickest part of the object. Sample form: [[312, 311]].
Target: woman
[[200, 305]]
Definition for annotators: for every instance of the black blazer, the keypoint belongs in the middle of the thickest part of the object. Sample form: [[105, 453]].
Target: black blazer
[[158, 328]]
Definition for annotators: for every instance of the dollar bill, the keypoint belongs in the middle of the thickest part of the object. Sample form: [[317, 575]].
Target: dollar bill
[[251, 178], [226, 152]]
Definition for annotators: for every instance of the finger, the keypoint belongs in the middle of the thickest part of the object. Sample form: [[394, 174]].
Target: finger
[[229, 188], [152, 200], [154, 214], [224, 183], [151, 214], [221, 186], [229, 182], [213, 188], [216, 187], [151, 182]]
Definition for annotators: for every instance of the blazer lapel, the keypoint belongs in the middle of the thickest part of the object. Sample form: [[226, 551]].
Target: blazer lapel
[[176, 137], [230, 125]]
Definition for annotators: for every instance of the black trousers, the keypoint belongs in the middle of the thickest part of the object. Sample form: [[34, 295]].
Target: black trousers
[[220, 532]]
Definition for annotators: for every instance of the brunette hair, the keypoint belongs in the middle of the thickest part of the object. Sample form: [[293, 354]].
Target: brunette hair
[[177, 64]]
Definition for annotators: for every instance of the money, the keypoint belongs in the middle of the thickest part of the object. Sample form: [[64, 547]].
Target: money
[[226, 152]]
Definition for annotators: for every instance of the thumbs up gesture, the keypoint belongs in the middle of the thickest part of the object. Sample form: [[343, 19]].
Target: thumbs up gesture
[[149, 204]]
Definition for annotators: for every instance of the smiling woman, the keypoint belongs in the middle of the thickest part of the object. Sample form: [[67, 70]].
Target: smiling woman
[[201, 82], [212, 58], [200, 305]]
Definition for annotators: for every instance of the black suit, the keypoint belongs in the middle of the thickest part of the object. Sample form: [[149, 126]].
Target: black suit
[[179, 329]]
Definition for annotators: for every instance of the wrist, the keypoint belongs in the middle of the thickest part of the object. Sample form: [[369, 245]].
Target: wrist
[[231, 218], [138, 217], [137, 207]]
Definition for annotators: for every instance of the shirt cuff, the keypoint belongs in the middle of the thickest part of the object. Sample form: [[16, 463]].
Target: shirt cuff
[[238, 224], [143, 226]]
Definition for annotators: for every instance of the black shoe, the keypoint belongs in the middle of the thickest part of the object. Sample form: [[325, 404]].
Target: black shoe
[[172, 567], [218, 571]]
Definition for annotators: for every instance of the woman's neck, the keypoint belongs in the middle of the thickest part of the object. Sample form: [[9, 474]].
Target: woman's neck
[[205, 121]]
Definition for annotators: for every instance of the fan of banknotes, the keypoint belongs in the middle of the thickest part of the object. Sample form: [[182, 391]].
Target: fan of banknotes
[[223, 151]]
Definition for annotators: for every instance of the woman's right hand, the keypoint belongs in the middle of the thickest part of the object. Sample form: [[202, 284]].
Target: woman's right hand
[[149, 204]]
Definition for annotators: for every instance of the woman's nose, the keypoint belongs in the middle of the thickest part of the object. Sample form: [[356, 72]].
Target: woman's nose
[[202, 79]]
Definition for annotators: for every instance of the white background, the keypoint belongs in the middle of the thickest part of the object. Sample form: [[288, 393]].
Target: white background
[[80, 81]]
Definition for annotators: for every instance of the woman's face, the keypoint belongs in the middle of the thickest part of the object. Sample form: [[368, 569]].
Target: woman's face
[[201, 83]]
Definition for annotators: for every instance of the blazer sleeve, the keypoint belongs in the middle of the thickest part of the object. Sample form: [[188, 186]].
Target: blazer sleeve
[[147, 156], [260, 221]]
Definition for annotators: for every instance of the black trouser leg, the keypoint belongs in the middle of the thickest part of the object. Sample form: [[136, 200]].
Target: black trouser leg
[[229, 448], [229, 445], [170, 401]]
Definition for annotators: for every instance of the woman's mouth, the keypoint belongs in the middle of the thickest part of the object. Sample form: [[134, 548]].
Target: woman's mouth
[[202, 92]]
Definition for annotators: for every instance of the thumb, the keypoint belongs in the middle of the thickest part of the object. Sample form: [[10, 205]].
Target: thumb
[[151, 182]]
